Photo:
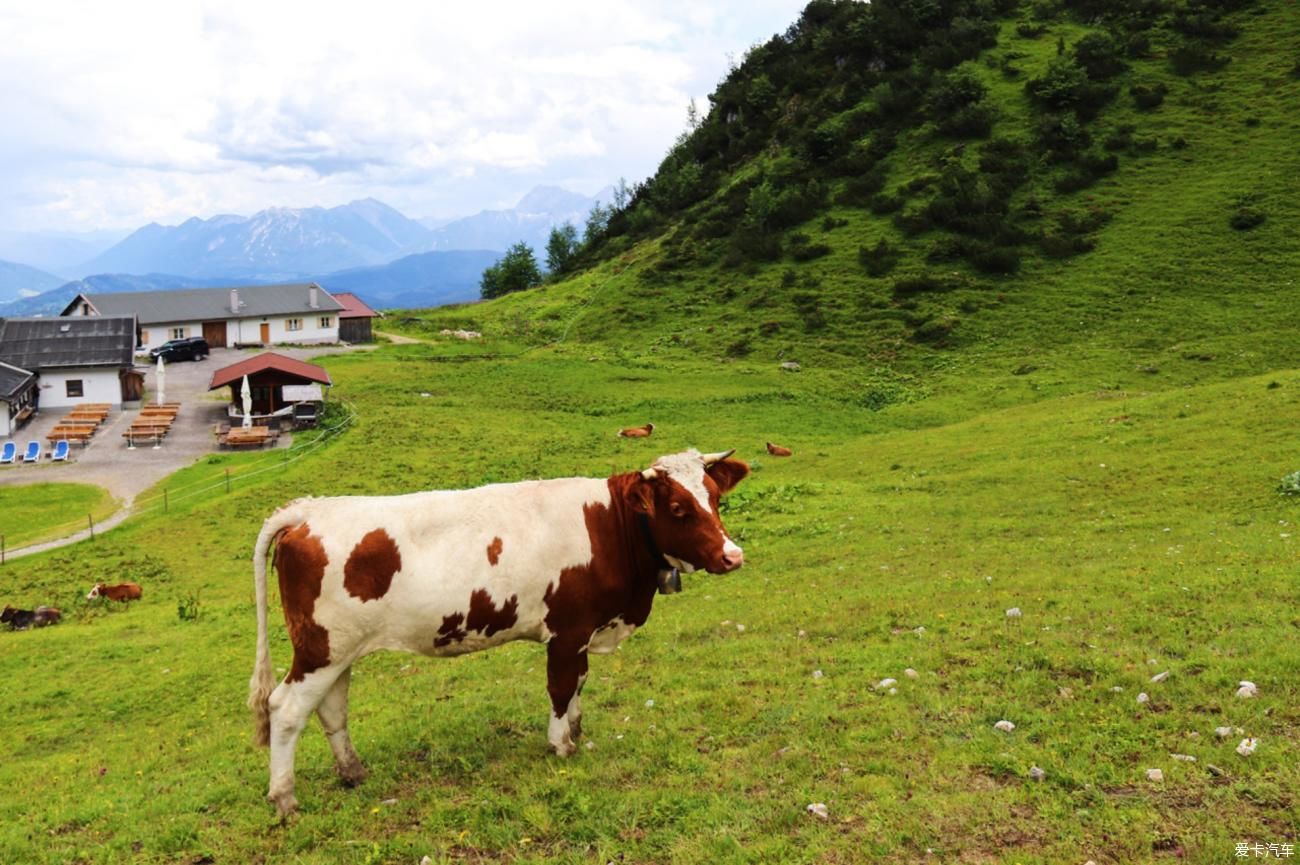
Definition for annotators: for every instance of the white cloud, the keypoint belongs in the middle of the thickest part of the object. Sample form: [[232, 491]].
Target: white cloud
[[128, 112]]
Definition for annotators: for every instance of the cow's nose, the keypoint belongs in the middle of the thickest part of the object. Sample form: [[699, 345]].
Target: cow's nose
[[733, 557]]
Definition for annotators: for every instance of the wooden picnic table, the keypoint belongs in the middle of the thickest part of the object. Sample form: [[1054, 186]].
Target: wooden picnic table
[[257, 435], [92, 414], [146, 427], [172, 410], [69, 435], [78, 421]]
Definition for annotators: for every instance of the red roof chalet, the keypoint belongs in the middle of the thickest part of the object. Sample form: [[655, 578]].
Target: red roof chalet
[[353, 306], [272, 362]]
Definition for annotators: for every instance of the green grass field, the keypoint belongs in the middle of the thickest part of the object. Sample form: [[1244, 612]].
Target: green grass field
[[40, 512], [1138, 533]]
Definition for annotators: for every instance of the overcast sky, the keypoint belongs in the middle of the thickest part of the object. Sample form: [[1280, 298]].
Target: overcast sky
[[119, 114]]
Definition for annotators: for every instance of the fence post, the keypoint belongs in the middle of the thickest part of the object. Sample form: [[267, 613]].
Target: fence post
[[90, 521]]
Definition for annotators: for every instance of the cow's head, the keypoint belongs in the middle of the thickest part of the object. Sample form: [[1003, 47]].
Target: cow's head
[[9, 614], [679, 496], [94, 593]]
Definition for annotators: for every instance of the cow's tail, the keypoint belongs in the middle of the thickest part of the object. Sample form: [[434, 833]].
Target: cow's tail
[[263, 681]]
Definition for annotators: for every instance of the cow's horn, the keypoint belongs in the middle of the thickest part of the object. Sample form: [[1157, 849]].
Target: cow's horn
[[650, 474], [710, 459]]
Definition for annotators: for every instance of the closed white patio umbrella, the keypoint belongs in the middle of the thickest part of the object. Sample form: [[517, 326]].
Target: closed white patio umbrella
[[162, 381], [246, 394]]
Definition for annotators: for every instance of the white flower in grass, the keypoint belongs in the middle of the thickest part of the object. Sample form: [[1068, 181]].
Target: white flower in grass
[[819, 810], [1247, 747], [1247, 690], [1005, 726], [1155, 775]]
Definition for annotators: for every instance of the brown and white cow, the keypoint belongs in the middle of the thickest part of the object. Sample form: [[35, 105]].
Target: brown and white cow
[[573, 563], [120, 592]]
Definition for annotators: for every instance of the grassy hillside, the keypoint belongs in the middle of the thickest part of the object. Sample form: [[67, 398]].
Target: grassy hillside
[[1096, 440]]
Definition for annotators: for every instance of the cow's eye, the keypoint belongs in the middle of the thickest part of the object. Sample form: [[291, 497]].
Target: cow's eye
[[677, 510]]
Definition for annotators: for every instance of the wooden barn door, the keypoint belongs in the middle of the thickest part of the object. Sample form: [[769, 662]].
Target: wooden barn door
[[266, 333], [215, 333]]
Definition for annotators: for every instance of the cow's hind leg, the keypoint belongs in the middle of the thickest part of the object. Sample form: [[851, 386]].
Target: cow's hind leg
[[291, 704], [566, 668], [333, 714]]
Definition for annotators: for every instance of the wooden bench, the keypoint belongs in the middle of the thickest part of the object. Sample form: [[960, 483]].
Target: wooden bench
[[245, 436]]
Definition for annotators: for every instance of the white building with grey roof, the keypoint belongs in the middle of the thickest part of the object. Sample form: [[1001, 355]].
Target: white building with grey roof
[[237, 316]]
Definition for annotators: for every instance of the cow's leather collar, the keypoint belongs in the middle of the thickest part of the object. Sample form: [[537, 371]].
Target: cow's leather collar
[[670, 578]]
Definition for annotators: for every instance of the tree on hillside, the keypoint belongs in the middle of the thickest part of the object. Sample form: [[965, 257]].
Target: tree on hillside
[[516, 271], [597, 222], [561, 247]]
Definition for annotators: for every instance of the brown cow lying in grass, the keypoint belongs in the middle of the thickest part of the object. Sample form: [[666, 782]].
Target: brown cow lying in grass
[[21, 620]]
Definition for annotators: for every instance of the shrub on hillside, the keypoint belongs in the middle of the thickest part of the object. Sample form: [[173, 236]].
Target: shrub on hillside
[[1030, 29], [1148, 97], [1193, 55], [923, 283], [884, 204], [1065, 86], [1246, 217], [1099, 56], [973, 121], [803, 249], [858, 191], [879, 259], [1062, 135]]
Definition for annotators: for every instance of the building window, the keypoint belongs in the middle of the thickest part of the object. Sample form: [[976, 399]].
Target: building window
[[74, 387], [293, 324], [178, 333], [326, 321]]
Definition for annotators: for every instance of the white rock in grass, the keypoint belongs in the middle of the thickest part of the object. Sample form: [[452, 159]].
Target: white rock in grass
[[1143, 698], [1247, 747], [590, 745], [1223, 732], [1036, 773], [740, 629], [1184, 758], [893, 691], [649, 704], [1117, 689], [1247, 690], [817, 674], [818, 810], [1160, 677], [1155, 775], [1014, 613], [886, 683], [426, 861], [1004, 726], [911, 674]]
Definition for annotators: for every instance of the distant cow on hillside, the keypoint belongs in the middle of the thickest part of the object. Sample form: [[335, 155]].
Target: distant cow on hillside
[[120, 592], [637, 432], [573, 563], [21, 620]]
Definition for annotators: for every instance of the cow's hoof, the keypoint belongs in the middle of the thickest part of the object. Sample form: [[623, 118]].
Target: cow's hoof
[[564, 749], [285, 804], [353, 774]]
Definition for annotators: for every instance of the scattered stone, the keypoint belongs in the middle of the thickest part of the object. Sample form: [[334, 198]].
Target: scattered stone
[[1247, 747], [1215, 770], [740, 629], [886, 683], [1160, 677], [1065, 693], [649, 704], [802, 633], [1184, 758], [1247, 690], [1004, 726], [1116, 689], [388, 802], [1014, 613], [1223, 732], [911, 674], [1155, 775], [818, 810], [1143, 698], [817, 674], [590, 746], [893, 691], [426, 861], [1036, 773], [791, 366], [426, 395]]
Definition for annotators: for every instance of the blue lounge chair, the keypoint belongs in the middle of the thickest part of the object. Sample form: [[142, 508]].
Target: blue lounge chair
[[10, 453], [60, 451], [33, 452]]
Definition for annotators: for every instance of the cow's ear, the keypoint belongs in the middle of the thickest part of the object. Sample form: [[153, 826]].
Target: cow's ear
[[642, 496], [727, 473]]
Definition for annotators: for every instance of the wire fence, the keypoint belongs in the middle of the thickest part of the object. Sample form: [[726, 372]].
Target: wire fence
[[161, 502]]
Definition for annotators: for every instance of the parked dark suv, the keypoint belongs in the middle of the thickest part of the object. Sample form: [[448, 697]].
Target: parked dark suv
[[190, 348]]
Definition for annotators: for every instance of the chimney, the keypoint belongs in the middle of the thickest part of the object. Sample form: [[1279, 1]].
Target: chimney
[[234, 300], [311, 298]]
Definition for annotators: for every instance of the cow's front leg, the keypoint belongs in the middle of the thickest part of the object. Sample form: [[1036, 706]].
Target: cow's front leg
[[566, 669]]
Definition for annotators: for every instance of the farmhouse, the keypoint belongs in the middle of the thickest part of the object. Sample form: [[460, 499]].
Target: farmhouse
[[277, 383], [354, 320], [55, 363], [241, 315]]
